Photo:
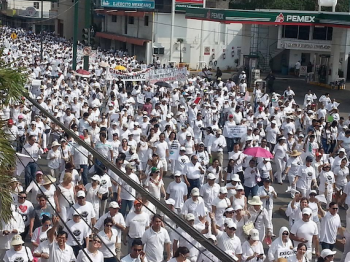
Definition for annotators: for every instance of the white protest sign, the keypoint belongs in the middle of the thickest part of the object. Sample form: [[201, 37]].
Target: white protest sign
[[285, 252], [174, 150], [238, 131]]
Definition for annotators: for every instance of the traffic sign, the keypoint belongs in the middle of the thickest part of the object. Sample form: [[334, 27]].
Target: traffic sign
[[87, 51], [13, 36]]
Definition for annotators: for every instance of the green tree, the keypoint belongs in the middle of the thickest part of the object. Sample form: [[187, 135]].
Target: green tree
[[12, 81]]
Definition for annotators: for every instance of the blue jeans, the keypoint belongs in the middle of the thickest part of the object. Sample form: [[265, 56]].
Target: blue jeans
[[325, 245], [85, 173], [29, 172], [125, 204], [229, 142], [325, 146], [193, 183], [253, 190]]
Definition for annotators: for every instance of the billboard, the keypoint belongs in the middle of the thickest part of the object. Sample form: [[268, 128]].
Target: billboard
[[181, 5], [129, 4]]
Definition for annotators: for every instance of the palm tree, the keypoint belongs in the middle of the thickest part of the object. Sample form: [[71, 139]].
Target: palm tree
[[12, 81]]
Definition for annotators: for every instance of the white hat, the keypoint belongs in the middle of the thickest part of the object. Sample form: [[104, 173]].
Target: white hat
[[231, 224], [273, 122], [113, 204], [96, 178], [55, 143], [195, 191], [229, 209], [255, 201], [17, 240], [313, 192], [212, 237], [177, 173], [182, 148], [188, 134], [114, 123], [239, 187], [341, 150], [307, 211], [327, 252], [170, 201], [223, 190], [190, 217], [168, 116], [81, 193], [235, 177], [254, 234], [237, 207], [211, 176]]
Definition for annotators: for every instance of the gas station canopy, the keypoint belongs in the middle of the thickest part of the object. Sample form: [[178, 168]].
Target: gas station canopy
[[270, 17]]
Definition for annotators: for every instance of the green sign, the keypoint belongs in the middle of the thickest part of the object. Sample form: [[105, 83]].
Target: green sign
[[269, 17]]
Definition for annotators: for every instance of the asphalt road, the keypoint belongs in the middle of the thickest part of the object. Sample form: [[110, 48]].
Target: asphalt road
[[300, 88]]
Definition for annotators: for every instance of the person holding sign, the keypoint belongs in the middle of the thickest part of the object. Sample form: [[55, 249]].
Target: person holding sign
[[281, 246]]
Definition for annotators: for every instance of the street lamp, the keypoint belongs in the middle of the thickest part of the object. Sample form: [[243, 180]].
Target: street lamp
[[180, 40]]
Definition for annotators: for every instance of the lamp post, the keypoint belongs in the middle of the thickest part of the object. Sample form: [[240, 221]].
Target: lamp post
[[75, 33], [180, 41], [41, 31]]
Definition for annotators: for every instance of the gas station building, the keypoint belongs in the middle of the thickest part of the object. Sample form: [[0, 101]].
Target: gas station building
[[277, 39]]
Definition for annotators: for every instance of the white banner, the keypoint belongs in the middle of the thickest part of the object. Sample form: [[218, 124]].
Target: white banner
[[169, 74], [238, 131], [174, 150], [285, 252]]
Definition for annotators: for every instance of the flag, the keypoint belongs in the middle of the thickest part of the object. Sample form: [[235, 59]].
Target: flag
[[21, 163]]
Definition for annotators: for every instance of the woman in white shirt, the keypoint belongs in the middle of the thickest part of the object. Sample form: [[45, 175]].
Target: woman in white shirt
[[327, 182], [40, 233], [92, 251], [18, 252], [282, 242], [252, 249], [109, 236], [219, 205], [341, 173], [92, 193], [251, 176], [49, 190], [280, 153], [300, 256], [66, 195], [34, 186]]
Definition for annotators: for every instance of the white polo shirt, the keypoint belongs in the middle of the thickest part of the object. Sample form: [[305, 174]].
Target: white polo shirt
[[154, 242], [137, 224], [329, 228], [304, 230], [59, 255]]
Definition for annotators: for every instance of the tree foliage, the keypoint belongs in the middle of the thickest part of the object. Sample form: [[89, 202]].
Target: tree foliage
[[302, 5], [12, 81]]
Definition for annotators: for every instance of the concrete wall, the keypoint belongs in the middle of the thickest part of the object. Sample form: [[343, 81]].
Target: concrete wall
[[218, 37]]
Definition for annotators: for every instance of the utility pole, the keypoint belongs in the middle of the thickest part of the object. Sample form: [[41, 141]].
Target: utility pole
[[75, 33], [201, 52], [173, 3], [88, 26], [41, 31]]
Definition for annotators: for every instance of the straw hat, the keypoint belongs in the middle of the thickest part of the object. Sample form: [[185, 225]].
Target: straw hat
[[295, 153], [17, 240], [48, 180], [255, 201], [55, 143]]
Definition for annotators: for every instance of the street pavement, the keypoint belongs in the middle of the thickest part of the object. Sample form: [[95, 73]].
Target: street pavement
[[300, 87]]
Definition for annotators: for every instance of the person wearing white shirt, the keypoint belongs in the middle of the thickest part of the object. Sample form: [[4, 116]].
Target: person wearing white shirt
[[91, 252], [161, 148], [209, 191], [216, 147], [178, 191], [109, 237], [84, 208], [193, 173], [137, 254], [155, 239], [18, 252], [59, 250], [80, 230], [192, 203], [34, 150]]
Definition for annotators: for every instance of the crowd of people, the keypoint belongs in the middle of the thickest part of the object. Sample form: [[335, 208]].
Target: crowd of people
[[74, 208]]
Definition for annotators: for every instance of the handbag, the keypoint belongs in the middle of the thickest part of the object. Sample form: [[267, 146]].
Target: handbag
[[250, 225], [29, 257]]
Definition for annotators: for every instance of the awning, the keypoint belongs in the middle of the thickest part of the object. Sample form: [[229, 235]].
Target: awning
[[122, 38], [122, 13]]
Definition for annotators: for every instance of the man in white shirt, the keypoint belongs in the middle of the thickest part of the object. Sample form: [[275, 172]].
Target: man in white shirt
[[60, 251], [136, 224], [80, 230], [155, 238], [216, 146], [306, 231], [330, 226], [161, 148], [194, 173], [84, 208], [178, 191], [137, 254], [34, 150]]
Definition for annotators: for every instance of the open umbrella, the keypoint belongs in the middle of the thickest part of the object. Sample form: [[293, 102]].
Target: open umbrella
[[82, 73], [164, 84], [103, 64], [258, 152], [120, 67]]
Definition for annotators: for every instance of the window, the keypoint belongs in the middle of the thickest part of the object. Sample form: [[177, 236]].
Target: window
[[304, 32], [294, 31], [322, 33], [36, 5], [158, 50], [146, 20], [114, 18], [131, 20]]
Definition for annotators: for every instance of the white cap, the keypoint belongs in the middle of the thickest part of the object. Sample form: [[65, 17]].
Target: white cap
[[177, 173], [170, 201], [235, 177], [114, 204], [239, 187], [81, 193], [254, 234], [211, 176], [195, 191], [190, 217], [168, 116], [223, 190], [212, 237], [237, 207], [231, 224], [182, 148], [327, 252], [96, 178], [307, 211]]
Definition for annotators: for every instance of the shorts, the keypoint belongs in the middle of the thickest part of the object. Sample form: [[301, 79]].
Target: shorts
[[165, 164]]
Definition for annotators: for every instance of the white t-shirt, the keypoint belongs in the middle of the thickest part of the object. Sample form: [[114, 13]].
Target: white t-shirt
[[177, 191], [127, 192], [14, 256], [86, 211], [304, 230], [137, 224], [329, 228], [98, 257], [80, 231], [161, 148], [110, 243], [128, 258], [225, 243], [221, 205], [154, 242]]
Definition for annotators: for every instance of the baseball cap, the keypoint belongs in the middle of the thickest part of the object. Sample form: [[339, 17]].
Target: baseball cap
[[231, 224], [170, 201], [81, 193], [239, 187], [195, 192], [177, 173], [307, 211], [223, 190], [327, 252], [96, 178], [190, 217], [113, 204], [211, 176], [309, 159], [182, 148], [154, 169], [136, 202], [254, 234]]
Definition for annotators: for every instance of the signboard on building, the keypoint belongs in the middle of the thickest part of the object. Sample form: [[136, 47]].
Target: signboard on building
[[129, 4], [207, 50], [181, 5]]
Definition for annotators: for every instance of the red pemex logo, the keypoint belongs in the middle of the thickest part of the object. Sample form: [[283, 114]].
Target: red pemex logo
[[279, 18]]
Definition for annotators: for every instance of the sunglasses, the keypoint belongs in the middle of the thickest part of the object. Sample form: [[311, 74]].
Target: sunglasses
[[335, 208], [108, 225], [137, 250], [81, 197], [22, 197], [232, 228], [285, 234]]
